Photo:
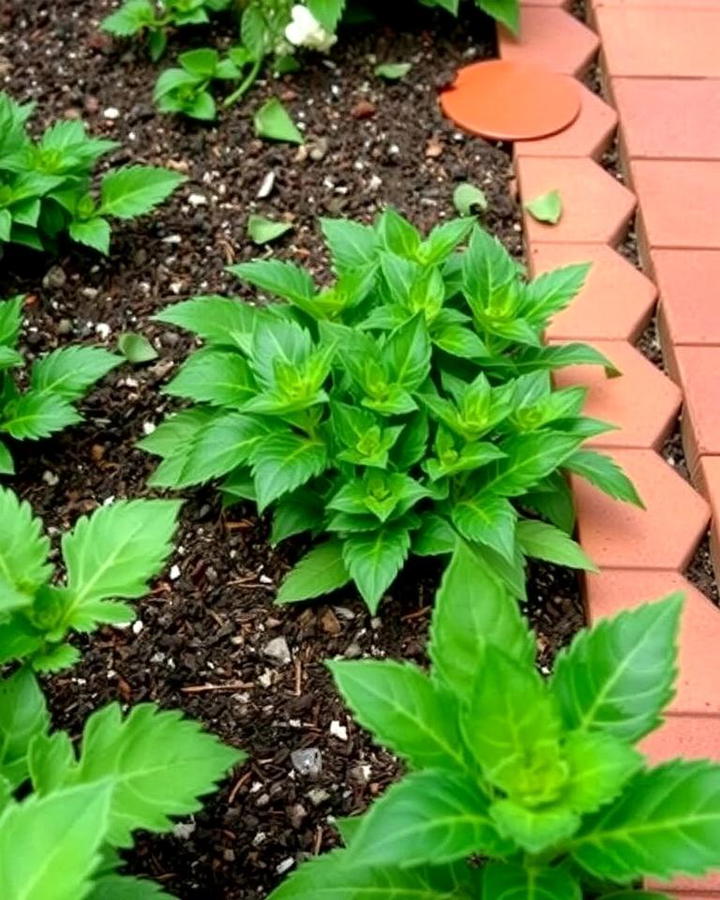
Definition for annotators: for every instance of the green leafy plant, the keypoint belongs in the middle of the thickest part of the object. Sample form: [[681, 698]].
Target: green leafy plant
[[152, 20], [329, 12], [406, 406], [46, 184], [110, 554], [54, 382], [65, 811], [539, 779]]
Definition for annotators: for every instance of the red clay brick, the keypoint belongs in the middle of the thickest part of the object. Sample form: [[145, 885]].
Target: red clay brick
[[589, 134], [667, 118], [697, 887], [653, 4], [698, 684], [686, 280], [709, 484], [680, 201], [693, 737], [642, 402], [679, 42], [551, 37], [596, 207], [562, 3], [662, 536], [699, 369], [615, 303]]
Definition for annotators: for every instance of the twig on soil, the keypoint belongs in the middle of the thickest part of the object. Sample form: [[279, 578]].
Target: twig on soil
[[418, 614], [236, 787], [230, 686], [298, 678]]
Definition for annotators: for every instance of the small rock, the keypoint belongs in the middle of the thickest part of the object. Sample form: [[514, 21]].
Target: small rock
[[278, 651], [353, 651], [330, 623], [111, 113], [197, 200], [137, 626], [64, 326], [317, 796], [297, 815], [102, 330], [54, 278], [50, 478], [434, 149], [339, 731], [363, 109], [91, 104], [183, 830], [318, 149], [229, 854], [285, 865], [267, 185], [307, 762]]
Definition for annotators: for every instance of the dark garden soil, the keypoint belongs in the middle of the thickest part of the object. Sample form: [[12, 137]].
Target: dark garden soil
[[209, 638]]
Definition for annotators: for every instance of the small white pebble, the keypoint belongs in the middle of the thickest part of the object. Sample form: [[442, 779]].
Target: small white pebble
[[183, 830], [148, 427], [286, 864], [111, 113], [102, 330], [137, 626], [174, 573], [50, 478], [197, 200], [337, 730], [263, 579]]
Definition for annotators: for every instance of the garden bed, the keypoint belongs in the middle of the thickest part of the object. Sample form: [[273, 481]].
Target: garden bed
[[201, 639]]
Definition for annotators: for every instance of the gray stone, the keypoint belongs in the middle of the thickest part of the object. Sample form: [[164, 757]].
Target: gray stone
[[277, 651], [307, 762]]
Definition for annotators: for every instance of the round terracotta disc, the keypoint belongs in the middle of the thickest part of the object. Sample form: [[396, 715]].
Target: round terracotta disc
[[511, 101]]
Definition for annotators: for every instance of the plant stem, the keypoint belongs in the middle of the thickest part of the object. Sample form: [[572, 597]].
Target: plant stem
[[244, 85]]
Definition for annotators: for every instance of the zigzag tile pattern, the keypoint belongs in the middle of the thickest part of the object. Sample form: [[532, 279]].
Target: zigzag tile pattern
[[661, 67]]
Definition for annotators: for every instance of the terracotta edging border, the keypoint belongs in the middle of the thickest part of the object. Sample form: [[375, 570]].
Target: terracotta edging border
[[642, 555]]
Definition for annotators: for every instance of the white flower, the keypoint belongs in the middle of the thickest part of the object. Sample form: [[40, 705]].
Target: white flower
[[305, 31]]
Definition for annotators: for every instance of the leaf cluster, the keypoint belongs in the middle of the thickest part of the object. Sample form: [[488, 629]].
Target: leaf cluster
[[152, 20], [540, 778], [46, 184], [507, 12], [64, 811], [54, 382], [107, 557], [405, 407]]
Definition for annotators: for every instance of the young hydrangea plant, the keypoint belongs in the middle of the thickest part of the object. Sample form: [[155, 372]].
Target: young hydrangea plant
[[55, 382], [109, 555], [405, 406], [540, 780], [64, 812], [46, 184], [152, 20]]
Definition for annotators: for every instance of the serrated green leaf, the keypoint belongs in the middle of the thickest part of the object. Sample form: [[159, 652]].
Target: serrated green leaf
[[487, 519], [134, 190], [546, 207], [157, 762], [132, 16], [374, 560], [10, 320], [214, 376], [404, 710], [93, 233], [319, 572], [604, 473], [70, 371], [262, 230], [24, 548], [430, 817], [407, 353], [617, 678], [534, 829], [352, 245], [273, 122], [38, 415], [667, 821], [60, 837], [218, 320], [462, 625], [283, 462], [528, 459], [283, 279], [125, 887], [136, 348], [114, 553], [542, 541], [600, 765], [23, 717]]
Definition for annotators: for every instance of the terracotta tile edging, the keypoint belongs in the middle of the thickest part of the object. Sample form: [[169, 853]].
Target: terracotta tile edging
[[641, 555]]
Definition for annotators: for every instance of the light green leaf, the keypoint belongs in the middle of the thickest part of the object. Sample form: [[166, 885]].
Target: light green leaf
[[429, 817], [24, 548], [273, 122], [534, 829], [280, 278], [600, 765], [319, 572], [23, 717], [327, 12], [472, 607], [50, 847], [487, 519], [262, 230], [33, 416], [218, 320], [136, 348], [284, 461], [157, 762], [69, 371], [404, 710], [11, 312], [546, 208], [93, 233], [134, 190], [392, 71], [619, 676], [374, 560], [507, 12], [603, 472], [510, 881], [529, 458], [125, 887], [542, 541], [130, 18], [218, 377], [667, 821], [114, 553], [407, 353], [467, 198]]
